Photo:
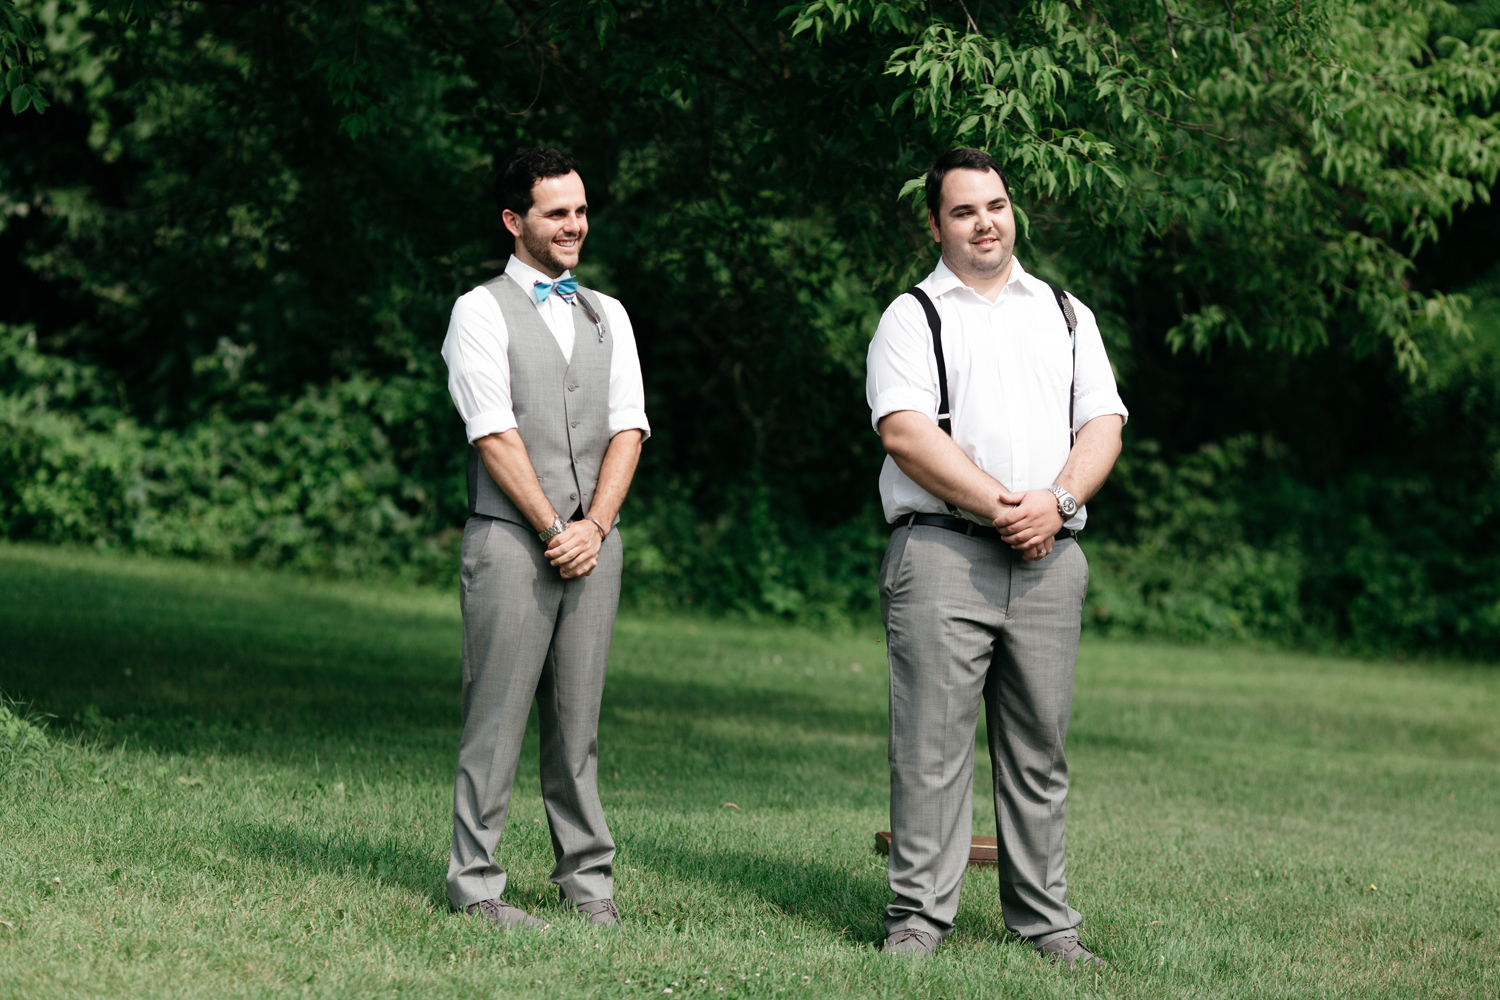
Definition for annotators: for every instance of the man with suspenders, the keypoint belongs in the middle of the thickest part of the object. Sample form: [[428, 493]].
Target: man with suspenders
[[545, 374], [995, 402]]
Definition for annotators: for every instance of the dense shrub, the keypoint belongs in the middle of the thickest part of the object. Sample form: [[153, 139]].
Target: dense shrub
[[316, 487], [1225, 542], [1396, 548]]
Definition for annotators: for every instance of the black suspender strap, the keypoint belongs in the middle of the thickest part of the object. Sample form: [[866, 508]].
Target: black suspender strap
[[935, 324], [1066, 305]]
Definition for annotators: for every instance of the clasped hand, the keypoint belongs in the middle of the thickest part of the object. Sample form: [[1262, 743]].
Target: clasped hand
[[1028, 522], [575, 550]]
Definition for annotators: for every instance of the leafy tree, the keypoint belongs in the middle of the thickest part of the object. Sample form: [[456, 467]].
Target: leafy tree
[[246, 215], [1270, 167], [20, 50]]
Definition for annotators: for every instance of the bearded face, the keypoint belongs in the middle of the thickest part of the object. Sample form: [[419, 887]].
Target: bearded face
[[550, 235]]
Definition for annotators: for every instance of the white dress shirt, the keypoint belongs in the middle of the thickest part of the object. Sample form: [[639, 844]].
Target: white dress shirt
[[476, 350], [1009, 367]]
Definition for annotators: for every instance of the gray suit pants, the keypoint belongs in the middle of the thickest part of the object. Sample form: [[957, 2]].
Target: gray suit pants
[[968, 620], [531, 635]]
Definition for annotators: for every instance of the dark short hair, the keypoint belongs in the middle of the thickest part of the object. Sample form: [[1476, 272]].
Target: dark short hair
[[520, 171], [958, 159]]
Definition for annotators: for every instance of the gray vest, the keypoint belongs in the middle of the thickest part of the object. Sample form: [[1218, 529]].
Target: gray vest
[[561, 408]]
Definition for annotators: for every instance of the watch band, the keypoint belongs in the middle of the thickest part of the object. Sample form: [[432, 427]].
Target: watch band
[[1063, 496], [558, 527]]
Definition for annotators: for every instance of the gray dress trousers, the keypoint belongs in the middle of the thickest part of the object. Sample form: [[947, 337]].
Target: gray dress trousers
[[531, 635], [969, 621]]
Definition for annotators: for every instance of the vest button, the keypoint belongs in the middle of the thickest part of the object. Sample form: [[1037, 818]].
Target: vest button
[[573, 424], [572, 387], [572, 496]]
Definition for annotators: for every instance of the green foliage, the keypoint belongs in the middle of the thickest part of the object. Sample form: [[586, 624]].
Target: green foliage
[[1306, 148], [20, 49], [753, 558], [316, 486], [1402, 552], [238, 229], [1192, 567]]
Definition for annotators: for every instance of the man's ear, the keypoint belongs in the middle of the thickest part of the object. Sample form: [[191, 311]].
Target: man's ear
[[932, 225], [512, 222]]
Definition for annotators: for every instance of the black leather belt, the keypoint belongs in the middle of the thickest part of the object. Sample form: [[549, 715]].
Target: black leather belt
[[964, 526]]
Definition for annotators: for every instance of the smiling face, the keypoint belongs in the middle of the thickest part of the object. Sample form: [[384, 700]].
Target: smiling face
[[975, 225], [551, 233]]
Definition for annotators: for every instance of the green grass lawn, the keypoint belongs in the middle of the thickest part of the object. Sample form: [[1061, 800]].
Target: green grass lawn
[[245, 790]]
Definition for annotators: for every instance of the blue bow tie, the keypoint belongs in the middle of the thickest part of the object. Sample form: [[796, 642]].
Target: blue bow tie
[[567, 287]]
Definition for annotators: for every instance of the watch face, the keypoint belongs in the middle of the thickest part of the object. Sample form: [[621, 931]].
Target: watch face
[[1069, 506]]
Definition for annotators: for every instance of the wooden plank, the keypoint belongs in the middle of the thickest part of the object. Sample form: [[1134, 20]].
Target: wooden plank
[[984, 852]]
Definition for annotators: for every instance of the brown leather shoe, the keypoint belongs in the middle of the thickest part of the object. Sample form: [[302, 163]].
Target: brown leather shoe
[[910, 941], [1069, 951], [599, 912], [504, 915]]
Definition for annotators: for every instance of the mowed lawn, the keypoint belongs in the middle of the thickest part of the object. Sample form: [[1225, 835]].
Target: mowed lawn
[[244, 790]]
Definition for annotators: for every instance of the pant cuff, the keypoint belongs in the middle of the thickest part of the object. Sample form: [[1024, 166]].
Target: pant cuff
[[579, 896], [458, 899]]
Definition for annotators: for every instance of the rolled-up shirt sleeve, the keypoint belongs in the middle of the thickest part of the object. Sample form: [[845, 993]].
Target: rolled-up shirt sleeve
[[627, 393], [476, 350], [1094, 390], [900, 370]]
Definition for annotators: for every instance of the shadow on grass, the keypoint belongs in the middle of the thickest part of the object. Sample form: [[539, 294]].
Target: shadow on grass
[[842, 901], [389, 862]]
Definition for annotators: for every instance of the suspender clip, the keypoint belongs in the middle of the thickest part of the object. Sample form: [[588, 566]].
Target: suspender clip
[[589, 310]]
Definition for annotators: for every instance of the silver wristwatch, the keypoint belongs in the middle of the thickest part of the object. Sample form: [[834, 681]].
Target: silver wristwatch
[[1067, 503], [558, 527]]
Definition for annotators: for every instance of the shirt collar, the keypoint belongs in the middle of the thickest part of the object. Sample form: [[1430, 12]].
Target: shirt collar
[[942, 280], [525, 275]]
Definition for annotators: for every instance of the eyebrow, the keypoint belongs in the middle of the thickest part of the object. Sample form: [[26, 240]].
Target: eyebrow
[[993, 201], [564, 210]]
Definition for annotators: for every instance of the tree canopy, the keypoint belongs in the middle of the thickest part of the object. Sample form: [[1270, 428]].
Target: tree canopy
[[229, 211]]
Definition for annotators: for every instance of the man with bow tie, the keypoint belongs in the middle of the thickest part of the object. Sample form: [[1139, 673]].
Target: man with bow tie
[[546, 377]]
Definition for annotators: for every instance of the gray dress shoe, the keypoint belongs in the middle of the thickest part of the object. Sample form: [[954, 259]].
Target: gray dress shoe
[[600, 912], [1070, 951], [504, 915], [910, 941]]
